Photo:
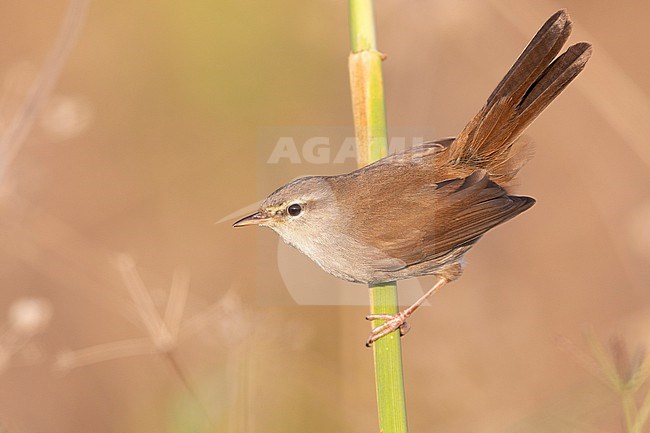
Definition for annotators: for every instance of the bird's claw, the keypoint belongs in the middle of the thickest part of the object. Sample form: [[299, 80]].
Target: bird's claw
[[393, 323]]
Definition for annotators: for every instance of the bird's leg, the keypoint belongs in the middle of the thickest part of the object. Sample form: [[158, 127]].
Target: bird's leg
[[395, 321]]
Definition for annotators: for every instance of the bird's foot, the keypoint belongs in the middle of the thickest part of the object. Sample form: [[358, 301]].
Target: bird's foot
[[393, 322]]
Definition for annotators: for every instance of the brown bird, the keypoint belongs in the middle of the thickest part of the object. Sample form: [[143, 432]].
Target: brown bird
[[418, 212]]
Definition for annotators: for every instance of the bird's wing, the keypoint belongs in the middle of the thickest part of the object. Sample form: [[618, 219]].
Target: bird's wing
[[431, 220]]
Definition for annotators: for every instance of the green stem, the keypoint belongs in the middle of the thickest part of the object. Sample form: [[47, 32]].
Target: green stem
[[387, 351], [629, 411], [370, 125], [642, 416]]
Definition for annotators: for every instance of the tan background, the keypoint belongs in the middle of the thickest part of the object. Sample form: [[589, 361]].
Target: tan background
[[151, 133]]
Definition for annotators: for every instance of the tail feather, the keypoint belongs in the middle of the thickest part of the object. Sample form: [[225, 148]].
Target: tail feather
[[541, 50], [554, 80], [530, 85]]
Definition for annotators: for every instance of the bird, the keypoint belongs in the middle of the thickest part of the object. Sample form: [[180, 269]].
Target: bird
[[419, 211]]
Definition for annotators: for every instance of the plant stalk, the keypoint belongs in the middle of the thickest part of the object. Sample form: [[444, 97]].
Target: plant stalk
[[369, 111]]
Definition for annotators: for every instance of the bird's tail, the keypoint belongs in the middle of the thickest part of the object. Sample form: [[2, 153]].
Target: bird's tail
[[488, 140]]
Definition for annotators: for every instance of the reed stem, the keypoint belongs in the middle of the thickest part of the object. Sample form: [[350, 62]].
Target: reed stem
[[366, 84]]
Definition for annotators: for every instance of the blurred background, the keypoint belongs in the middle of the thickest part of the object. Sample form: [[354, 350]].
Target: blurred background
[[128, 128]]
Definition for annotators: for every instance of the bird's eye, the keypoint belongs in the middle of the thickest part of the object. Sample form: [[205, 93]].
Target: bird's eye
[[294, 209]]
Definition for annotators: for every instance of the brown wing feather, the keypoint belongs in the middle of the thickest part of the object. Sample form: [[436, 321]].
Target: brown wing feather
[[464, 209], [426, 220]]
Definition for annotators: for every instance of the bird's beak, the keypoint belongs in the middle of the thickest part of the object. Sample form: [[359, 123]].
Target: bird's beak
[[254, 219]]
